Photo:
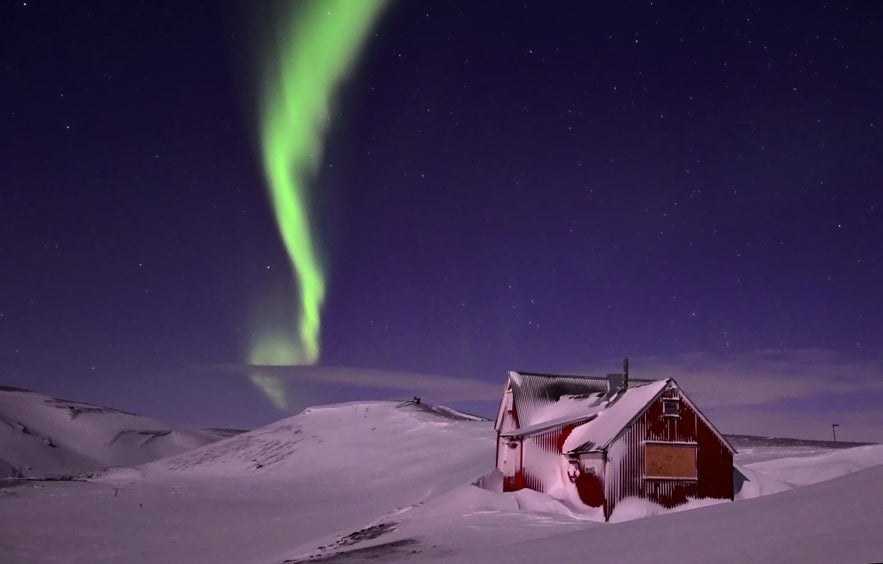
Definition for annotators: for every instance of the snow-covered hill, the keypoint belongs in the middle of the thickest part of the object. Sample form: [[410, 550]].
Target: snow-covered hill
[[253, 496], [369, 443], [44, 436], [381, 481]]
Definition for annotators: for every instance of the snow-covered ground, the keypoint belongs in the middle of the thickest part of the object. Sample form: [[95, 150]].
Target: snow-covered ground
[[42, 436], [380, 481]]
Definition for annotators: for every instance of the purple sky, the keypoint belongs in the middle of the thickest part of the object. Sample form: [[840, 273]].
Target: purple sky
[[511, 185]]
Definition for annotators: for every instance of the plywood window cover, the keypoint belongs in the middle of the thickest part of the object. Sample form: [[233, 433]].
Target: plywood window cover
[[675, 466]]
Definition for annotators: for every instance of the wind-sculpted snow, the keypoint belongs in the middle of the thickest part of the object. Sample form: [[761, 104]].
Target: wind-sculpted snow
[[443, 411], [75, 409], [42, 436], [802, 471], [256, 450]]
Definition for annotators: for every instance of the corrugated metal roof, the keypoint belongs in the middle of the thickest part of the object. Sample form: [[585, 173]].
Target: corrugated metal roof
[[534, 393], [543, 401]]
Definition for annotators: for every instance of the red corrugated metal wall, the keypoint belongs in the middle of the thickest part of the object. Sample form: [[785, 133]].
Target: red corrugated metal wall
[[531, 482], [547, 441], [625, 468], [550, 442]]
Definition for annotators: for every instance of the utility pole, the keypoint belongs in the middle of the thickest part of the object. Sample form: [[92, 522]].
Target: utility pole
[[834, 430]]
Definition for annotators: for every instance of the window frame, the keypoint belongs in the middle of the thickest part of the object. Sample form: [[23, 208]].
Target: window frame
[[671, 401]]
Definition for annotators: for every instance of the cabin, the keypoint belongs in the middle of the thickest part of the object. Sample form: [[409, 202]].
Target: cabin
[[597, 440]]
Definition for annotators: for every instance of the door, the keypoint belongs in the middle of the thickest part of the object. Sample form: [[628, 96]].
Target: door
[[589, 483], [510, 464]]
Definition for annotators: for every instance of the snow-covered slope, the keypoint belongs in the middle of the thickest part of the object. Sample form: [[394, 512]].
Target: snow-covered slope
[[45, 436], [832, 521], [360, 444], [256, 495], [380, 481]]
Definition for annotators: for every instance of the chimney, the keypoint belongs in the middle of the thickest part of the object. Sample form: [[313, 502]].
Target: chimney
[[618, 382], [625, 373]]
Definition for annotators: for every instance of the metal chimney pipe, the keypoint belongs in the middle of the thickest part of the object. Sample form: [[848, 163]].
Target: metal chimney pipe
[[625, 373]]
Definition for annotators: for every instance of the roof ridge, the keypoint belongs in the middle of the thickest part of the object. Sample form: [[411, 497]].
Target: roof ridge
[[581, 376], [549, 375]]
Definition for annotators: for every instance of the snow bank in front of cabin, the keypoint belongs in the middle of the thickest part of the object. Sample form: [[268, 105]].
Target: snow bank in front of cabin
[[473, 499], [631, 508], [757, 479], [833, 521], [466, 517]]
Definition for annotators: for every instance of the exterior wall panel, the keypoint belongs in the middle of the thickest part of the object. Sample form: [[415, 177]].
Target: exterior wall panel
[[625, 469]]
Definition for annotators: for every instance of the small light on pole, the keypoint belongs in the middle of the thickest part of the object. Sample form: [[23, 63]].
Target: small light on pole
[[834, 430]]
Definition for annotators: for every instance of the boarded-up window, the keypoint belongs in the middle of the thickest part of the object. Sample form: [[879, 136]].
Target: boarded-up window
[[670, 407], [669, 461]]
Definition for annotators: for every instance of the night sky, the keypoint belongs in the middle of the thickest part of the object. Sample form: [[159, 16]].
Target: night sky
[[540, 186]]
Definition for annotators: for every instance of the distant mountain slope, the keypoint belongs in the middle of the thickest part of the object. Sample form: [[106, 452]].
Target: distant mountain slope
[[42, 436], [361, 440], [739, 441]]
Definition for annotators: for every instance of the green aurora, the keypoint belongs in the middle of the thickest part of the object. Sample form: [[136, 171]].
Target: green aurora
[[318, 43]]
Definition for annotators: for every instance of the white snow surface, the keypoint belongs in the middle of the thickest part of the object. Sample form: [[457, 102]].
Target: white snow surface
[[567, 408], [378, 481], [801, 471], [44, 436], [614, 418], [833, 521]]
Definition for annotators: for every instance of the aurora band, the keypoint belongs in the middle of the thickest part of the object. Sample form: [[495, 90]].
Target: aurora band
[[318, 45]]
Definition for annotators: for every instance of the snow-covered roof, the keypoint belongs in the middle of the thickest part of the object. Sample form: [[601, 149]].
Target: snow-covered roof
[[548, 425], [539, 398], [597, 406], [600, 431]]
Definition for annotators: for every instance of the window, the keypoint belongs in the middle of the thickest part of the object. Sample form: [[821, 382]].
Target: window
[[672, 461], [671, 407]]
